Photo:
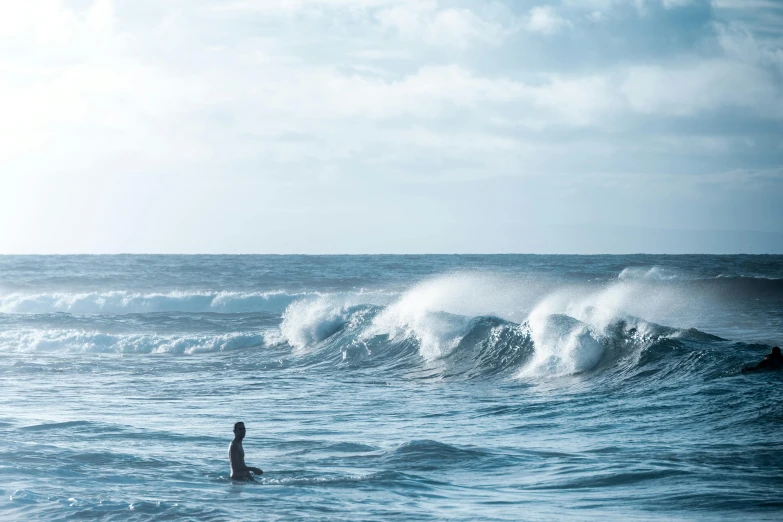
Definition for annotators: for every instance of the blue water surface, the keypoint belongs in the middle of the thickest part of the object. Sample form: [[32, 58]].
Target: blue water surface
[[499, 387]]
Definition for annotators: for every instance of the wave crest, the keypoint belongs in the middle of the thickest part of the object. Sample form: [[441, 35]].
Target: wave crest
[[125, 302], [97, 342], [310, 321], [653, 273]]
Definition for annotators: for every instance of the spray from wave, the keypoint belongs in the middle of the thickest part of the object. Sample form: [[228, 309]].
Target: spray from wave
[[463, 324]]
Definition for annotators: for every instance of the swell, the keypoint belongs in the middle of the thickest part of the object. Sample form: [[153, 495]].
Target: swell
[[126, 302], [457, 326], [72, 340], [731, 285], [333, 335], [449, 346], [734, 287]]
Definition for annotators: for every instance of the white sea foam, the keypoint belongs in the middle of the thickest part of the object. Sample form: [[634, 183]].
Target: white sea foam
[[437, 313], [309, 321], [654, 273], [71, 340], [563, 345], [570, 327], [125, 302]]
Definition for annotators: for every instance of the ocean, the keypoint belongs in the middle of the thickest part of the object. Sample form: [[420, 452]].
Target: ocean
[[422, 387]]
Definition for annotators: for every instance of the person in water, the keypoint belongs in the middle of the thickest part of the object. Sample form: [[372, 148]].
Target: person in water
[[236, 456], [772, 361]]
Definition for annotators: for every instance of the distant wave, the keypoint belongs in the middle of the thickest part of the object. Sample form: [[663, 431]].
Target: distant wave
[[659, 273], [462, 326], [747, 276], [654, 273], [482, 347], [57, 341], [746, 285], [124, 302], [721, 286]]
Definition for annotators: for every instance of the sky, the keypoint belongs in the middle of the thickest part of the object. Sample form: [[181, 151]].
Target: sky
[[391, 126]]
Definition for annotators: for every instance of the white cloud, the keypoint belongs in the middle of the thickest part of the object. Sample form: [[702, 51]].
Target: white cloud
[[74, 92], [743, 77], [283, 6], [740, 45], [578, 101], [544, 19], [673, 4], [329, 93], [690, 88], [640, 5], [596, 16], [746, 4], [446, 27], [416, 20]]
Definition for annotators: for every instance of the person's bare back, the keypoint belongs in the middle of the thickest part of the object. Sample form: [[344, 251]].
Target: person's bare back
[[236, 456]]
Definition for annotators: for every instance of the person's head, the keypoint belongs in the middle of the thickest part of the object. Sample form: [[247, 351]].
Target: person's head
[[776, 350], [239, 430]]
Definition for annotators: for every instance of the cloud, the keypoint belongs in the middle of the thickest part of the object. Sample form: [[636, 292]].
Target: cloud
[[425, 21], [288, 6], [76, 92], [444, 27], [672, 4], [544, 19], [691, 88], [312, 96], [746, 76]]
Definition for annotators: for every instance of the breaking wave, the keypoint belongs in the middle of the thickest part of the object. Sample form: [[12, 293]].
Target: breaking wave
[[97, 342], [566, 333], [124, 302], [461, 325]]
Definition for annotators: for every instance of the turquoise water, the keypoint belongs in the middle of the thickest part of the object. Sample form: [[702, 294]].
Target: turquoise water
[[390, 387]]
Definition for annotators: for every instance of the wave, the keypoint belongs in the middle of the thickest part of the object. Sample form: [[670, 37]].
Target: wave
[[662, 273], [452, 346], [332, 480], [52, 507], [462, 326], [55, 426], [55, 341], [309, 321], [749, 276], [570, 332], [653, 273], [492, 347], [733, 287], [430, 455], [545, 347], [469, 294], [730, 286], [125, 302], [359, 331]]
